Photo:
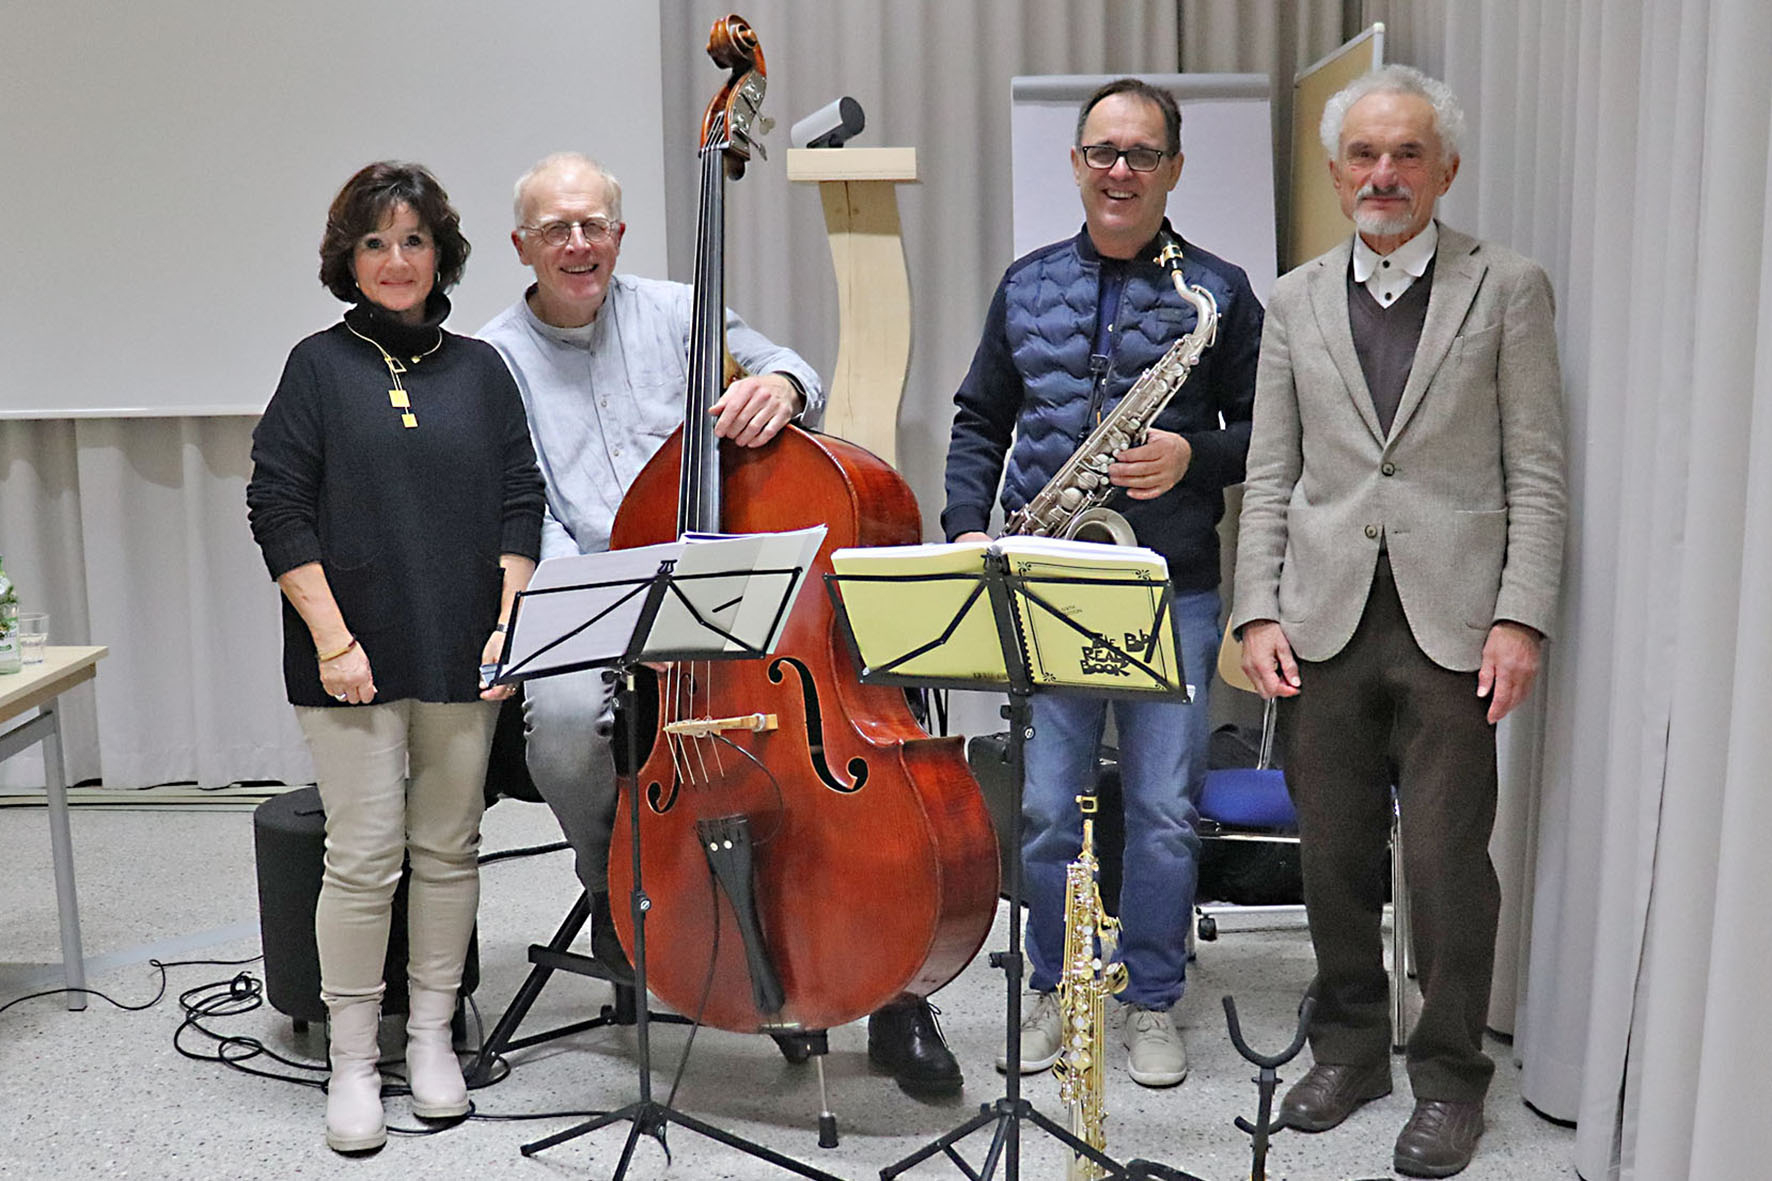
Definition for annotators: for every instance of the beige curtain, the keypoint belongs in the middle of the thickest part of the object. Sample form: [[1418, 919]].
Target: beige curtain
[[1627, 147], [1273, 37], [133, 530]]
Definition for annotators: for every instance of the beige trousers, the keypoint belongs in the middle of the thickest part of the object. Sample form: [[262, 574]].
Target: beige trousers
[[405, 779]]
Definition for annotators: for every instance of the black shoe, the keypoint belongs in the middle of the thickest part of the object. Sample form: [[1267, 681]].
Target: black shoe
[[1439, 1139], [606, 946], [904, 1039], [1330, 1092]]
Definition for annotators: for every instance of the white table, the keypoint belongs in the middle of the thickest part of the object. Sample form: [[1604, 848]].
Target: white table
[[38, 687]]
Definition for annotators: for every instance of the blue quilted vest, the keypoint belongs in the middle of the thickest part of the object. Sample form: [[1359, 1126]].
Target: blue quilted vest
[[1050, 301]]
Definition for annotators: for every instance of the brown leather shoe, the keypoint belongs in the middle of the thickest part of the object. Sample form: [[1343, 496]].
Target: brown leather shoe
[[1330, 1092], [1439, 1138]]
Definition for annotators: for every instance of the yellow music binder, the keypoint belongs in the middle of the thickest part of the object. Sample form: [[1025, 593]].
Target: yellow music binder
[[1086, 615]]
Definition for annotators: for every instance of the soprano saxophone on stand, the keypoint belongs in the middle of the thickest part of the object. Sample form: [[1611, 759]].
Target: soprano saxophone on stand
[[1089, 977], [1072, 504]]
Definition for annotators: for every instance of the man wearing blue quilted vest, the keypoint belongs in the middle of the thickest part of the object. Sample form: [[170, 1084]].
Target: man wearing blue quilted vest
[[1070, 328]]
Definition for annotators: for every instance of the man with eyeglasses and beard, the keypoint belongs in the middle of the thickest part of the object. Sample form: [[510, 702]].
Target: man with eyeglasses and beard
[[1070, 329], [601, 360]]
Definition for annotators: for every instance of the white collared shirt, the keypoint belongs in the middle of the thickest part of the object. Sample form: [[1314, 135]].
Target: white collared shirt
[[1387, 276]]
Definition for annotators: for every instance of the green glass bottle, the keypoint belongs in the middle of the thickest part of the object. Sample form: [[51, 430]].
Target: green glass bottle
[[10, 659]]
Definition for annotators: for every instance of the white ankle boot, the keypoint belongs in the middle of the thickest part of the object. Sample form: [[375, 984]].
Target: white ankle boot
[[433, 1072], [354, 1120]]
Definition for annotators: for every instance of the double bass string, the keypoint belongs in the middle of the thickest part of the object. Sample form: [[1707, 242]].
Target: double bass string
[[697, 503], [695, 506]]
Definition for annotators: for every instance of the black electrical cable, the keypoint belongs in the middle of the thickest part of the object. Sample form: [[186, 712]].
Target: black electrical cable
[[244, 993], [524, 851], [158, 995]]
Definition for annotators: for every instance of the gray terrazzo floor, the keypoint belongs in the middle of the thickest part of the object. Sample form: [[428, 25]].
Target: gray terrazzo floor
[[103, 1093]]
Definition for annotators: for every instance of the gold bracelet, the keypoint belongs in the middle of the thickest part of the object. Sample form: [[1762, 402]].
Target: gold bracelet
[[340, 652]]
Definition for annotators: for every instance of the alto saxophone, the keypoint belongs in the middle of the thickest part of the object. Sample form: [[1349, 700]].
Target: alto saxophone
[[1089, 976], [1072, 502]]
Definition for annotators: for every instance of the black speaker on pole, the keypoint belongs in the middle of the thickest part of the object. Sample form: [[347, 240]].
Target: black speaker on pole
[[289, 839]]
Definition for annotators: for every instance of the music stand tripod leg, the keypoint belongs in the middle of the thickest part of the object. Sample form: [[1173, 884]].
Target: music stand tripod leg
[[646, 1115], [504, 1033]]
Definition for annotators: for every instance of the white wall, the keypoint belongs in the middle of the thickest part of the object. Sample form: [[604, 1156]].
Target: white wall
[[165, 171]]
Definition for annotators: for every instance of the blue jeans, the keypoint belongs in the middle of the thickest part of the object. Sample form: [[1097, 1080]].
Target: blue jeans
[[1162, 762]]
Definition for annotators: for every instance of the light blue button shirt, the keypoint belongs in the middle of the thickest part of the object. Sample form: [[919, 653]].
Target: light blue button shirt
[[603, 398]]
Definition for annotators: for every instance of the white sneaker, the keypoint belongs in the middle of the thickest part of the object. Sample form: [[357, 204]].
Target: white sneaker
[[1155, 1055], [1041, 1023]]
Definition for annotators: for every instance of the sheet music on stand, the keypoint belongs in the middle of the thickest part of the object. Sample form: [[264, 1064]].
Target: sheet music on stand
[[728, 593], [1087, 616]]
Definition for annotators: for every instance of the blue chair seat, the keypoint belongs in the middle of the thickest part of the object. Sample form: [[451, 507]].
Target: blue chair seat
[[1248, 797]]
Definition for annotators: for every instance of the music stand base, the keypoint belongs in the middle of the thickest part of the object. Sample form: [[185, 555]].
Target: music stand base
[[650, 1118], [1007, 1115]]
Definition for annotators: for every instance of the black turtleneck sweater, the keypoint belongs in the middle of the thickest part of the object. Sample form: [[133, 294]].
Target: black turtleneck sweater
[[408, 522]]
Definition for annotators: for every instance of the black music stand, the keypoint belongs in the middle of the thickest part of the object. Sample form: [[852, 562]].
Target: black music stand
[[664, 618], [1022, 671]]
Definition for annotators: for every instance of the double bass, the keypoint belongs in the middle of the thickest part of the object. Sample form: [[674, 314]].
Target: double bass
[[800, 877]]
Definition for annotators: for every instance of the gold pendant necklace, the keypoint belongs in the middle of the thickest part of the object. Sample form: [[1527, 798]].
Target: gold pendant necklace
[[397, 397]]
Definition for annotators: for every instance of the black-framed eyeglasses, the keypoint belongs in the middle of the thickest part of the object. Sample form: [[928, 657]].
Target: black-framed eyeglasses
[[558, 233], [1104, 156]]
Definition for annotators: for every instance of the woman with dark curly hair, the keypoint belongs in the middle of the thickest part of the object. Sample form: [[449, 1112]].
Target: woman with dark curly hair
[[397, 503]]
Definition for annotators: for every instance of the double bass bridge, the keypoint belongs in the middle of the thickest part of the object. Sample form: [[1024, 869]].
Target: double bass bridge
[[708, 727]]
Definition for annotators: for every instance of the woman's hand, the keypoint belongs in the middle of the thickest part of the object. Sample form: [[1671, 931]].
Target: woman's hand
[[347, 677], [495, 648]]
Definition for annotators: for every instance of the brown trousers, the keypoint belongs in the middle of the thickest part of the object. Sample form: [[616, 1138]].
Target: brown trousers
[[1379, 713]]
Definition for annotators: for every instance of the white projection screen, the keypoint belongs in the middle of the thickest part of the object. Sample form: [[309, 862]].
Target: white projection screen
[[165, 171], [1225, 200]]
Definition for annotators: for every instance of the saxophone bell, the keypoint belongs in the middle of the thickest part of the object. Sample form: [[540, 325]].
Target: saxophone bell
[[1103, 525]]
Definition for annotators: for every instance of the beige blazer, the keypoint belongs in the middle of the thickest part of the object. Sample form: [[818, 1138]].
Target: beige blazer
[[1467, 491]]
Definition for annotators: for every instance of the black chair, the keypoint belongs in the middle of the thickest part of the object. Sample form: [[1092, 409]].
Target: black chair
[[289, 845], [1252, 804]]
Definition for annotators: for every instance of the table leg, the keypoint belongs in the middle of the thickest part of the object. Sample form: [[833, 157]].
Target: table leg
[[62, 849]]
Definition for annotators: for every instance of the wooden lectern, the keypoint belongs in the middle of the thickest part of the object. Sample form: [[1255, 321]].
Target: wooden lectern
[[873, 287]]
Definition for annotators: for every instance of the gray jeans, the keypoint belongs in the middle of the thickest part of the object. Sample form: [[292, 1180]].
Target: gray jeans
[[568, 721]]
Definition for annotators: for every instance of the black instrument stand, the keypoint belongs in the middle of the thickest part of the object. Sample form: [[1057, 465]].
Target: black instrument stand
[[1263, 1128], [645, 1115], [1008, 1113], [555, 956]]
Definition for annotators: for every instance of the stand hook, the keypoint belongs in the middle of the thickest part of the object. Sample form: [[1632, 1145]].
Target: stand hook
[[1263, 1128]]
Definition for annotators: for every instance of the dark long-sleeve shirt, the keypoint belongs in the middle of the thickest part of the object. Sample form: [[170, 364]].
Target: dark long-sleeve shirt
[[407, 522]]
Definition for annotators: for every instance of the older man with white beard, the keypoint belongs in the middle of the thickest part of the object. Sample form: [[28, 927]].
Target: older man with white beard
[[1397, 571]]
